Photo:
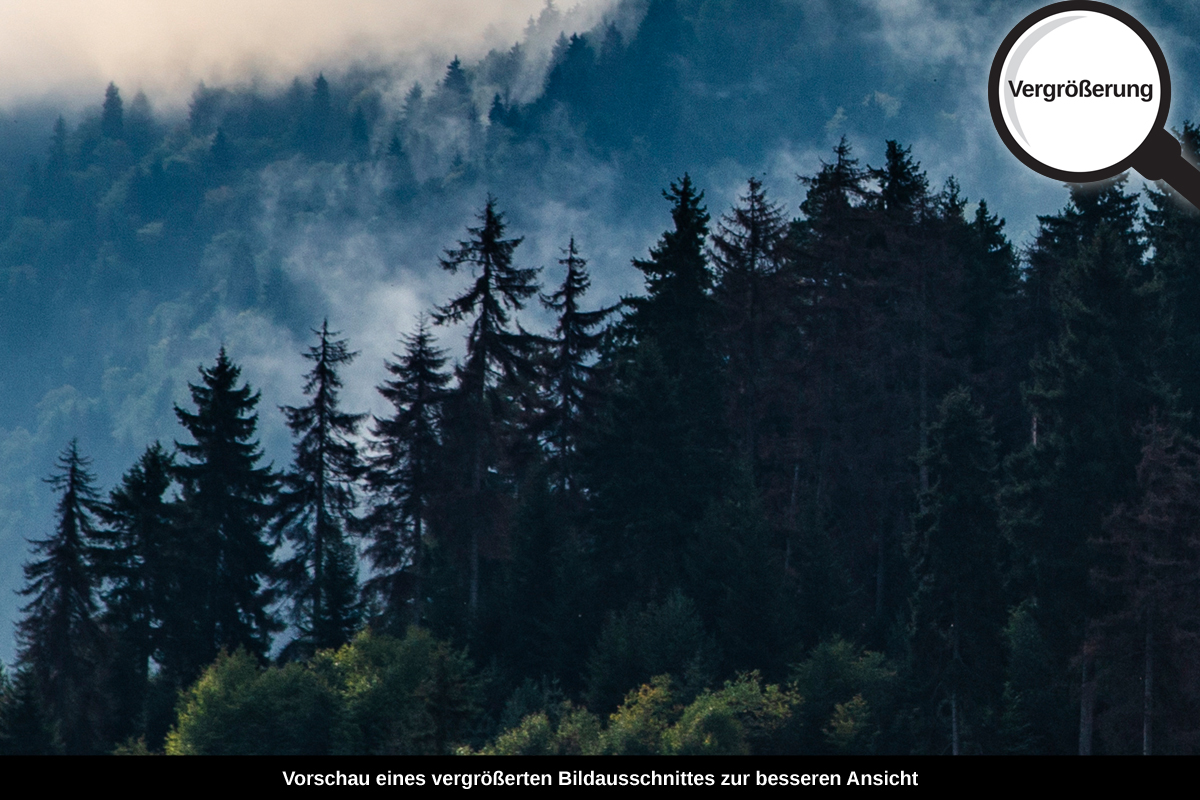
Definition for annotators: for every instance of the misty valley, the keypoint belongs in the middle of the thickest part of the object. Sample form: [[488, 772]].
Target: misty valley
[[643, 387]]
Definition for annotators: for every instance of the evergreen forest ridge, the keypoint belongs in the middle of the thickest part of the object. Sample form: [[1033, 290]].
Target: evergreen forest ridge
[[659, 384]]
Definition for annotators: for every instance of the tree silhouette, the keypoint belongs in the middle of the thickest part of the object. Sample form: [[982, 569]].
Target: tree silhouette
[[59, 638], [316, 502], [572, 394], [227, 502], [499, 366], [403, 477]]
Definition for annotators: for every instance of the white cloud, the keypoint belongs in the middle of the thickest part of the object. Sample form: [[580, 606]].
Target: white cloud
[[68, 47]]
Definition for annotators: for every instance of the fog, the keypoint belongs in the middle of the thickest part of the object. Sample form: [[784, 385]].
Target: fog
[[69, 49]]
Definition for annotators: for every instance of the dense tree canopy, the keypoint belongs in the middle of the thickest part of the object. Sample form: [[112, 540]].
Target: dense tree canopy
[[893, 483], [227, 501]]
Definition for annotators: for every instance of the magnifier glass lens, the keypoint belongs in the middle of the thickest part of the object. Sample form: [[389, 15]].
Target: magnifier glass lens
[[1080, 91]]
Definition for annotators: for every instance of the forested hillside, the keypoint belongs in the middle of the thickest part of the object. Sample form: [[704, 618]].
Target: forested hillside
[[858, 476]]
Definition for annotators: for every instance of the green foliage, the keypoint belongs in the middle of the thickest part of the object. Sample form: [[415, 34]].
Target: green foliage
[[533, 737], [850, 729], [732, 720], [739, 581], [376, 695], [665, 638], [239, 708], [1033, 690], [407, 696], [849, 694], [132, 747]]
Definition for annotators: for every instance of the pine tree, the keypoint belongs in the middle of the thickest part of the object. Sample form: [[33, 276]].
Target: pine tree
[[319, 123], [112, 117], [748, 254], [955, 550], [867, 268], [493, 350], [24, 729], [991, 279], [660, 456], [141, 562], [1173, 232], [678, 318], [903, 188], [316, 502], [1148, 557], [988, 347], [59, 637], [1060, 240], [227, 503], [678, 312], [403, 477], [1097, 379], [499, 371], [572, 394]]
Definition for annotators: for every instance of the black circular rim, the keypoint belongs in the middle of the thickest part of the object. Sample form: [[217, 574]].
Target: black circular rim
[[1006, 46]]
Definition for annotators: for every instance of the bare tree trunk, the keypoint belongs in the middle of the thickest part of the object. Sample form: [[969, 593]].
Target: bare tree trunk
[[418, 570], [1087, 706], [1148, 689], [954, 723], [477, 489], [880, 569], [793, 518], [956, 671], [923, 389], [474, 601]]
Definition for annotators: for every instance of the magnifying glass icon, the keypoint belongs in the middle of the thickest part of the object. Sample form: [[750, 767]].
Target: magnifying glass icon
[[1079, 92]]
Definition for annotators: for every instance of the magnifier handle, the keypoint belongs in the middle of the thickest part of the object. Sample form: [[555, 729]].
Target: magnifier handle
[[1160, 158]]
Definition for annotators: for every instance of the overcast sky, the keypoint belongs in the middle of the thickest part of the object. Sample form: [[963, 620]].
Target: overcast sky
[[68, 47]]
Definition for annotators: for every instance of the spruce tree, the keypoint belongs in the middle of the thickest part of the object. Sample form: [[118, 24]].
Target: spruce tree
[[864, 262], [570, 376], [59, 637], [142, 560], [112, 117], [955, 551], [494, 351], [498, 373], [1098, 378], [903, 188], [1148, 557], [227, 503], [659, 458], [748, 252], [1173, 232], [678, 312], [316, 502], [404, 477]]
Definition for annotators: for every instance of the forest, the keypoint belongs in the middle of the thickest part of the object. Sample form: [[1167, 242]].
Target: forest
[[865, 479]]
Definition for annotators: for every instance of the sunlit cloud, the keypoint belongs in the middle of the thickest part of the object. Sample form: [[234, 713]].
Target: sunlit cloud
[[68, 48]]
